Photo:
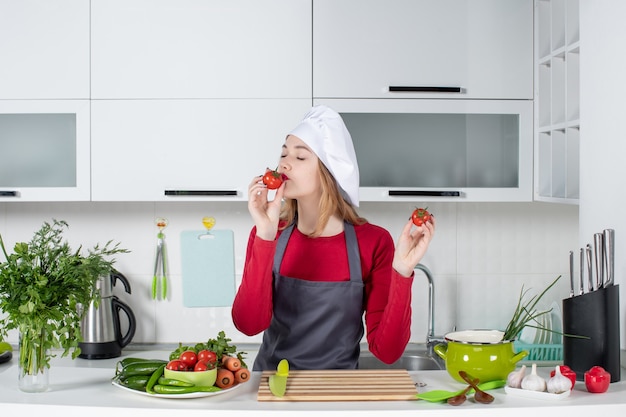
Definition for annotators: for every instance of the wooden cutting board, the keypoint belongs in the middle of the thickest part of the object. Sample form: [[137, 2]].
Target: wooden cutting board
[[343, 385]]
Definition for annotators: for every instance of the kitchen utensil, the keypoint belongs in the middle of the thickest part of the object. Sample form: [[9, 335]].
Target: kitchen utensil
[[609, 255], [342, 385], [208, 267], [479, 395], [582, 271], [460, 397], [482, 353], [159, 279], [437, 396], [101, 327], [598, 245], [571, 273], [589, 266]]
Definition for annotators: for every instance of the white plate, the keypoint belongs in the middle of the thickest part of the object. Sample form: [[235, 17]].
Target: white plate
[[177, 396], [536, 394]]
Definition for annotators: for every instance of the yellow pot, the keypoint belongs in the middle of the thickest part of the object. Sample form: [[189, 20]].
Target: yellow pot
[[481, 353]]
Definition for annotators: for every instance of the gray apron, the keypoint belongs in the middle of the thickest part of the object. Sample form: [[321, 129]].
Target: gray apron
[[315, 325]]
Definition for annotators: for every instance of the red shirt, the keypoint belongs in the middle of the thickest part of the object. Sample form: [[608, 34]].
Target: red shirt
[[387, 294]]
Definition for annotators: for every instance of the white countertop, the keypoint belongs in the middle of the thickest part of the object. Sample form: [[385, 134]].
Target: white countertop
[[83, 388]]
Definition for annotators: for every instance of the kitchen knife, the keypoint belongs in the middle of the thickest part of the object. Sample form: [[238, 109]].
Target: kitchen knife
[[598, 244], [589, 266], [609, 255], [571, 273], [582, 271]]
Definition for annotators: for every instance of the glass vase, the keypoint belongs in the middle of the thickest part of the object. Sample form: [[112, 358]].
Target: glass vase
[[33, 361]]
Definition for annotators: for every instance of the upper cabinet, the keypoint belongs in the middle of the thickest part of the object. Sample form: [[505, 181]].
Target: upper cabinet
[[474, 49], [190, 49], [557, 101], [44, 47]]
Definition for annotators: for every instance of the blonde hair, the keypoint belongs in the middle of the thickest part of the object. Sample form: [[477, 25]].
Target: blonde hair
[[331, 202]]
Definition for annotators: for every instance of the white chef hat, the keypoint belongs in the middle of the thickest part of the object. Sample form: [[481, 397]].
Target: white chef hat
[[323, 130]]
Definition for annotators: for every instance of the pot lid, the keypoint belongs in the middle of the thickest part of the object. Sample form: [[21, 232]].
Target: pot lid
[[476, 336]]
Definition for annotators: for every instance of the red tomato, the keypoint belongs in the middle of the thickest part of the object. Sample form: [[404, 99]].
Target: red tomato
[[597, 380], [567, 372], [420, 216], [189, 358], [207, 356], [200, 367], [176, 365], [273, 179]]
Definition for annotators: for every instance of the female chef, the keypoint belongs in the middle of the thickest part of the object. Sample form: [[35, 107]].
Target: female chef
[[314, 267]]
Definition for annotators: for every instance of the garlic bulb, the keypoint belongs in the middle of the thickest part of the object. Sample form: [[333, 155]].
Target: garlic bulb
[[559, 383], [514, 380], [534, 382]]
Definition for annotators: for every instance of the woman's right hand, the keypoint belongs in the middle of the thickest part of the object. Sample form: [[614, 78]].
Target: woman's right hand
[[264, 213]]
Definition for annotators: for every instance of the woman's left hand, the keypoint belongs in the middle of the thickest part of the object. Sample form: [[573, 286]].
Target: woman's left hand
[[412, 246]]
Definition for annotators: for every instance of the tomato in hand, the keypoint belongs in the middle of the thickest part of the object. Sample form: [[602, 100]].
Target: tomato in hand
[[420, 216], [176, 365], [188, 358], [207, 356], [273, 179]]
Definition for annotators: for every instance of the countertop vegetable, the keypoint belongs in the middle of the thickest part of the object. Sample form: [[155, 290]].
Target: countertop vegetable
[[83, 387]]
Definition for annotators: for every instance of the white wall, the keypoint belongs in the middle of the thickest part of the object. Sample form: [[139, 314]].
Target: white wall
[[603, 137], [481, 256]]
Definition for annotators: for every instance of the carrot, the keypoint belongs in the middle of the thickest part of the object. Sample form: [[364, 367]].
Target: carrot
[[225, 378], [242, 375], [232, 364]]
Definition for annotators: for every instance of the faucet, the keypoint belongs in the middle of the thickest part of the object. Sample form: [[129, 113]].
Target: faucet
[[431, 340]]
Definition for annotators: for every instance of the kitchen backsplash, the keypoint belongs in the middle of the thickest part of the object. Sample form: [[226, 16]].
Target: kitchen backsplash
[[481, 256]]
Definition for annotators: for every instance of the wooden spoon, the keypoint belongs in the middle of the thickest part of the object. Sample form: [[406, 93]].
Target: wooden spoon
[[480, 395], [461, 397]]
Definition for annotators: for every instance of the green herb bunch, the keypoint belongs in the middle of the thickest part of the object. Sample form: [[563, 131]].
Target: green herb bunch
[[526, 314], [42, 286]]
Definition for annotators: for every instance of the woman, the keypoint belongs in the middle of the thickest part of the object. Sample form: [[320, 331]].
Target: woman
[[313, 266]]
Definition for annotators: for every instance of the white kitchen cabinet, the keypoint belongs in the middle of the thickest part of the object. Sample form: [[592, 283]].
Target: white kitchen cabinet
[[44, 150], [557, 101], [364, 49], [44, 47], [190, 49], [186, 150], [441, 150]]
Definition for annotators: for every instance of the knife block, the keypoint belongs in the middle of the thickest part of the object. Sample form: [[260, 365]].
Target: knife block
[[596, 316]]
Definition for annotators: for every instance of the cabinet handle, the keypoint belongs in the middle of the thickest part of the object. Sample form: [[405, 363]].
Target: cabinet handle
[[423, 89], [4, 193], [419, 193], [206, 193]]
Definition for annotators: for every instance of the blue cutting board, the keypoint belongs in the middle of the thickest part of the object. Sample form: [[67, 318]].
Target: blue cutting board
[[208, 268]]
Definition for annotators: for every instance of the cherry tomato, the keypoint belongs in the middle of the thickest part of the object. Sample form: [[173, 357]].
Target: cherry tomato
[[189, 358], [566, 372], [273, 179], [207, 356], [201, 366], [597, 380], [420, 216], [176, 365]]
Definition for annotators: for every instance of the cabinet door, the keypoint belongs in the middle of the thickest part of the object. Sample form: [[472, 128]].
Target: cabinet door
[[44, 47], [362, 48], [44, 150], [201, 49], [186, 150]]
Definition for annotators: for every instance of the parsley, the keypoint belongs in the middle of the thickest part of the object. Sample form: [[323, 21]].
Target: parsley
[[43, 285]]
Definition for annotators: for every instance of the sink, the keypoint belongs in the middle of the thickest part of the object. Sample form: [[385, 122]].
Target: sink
[[411, 361]]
